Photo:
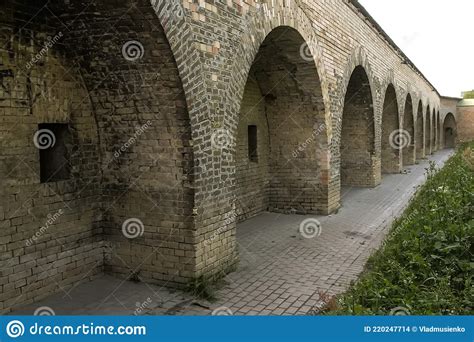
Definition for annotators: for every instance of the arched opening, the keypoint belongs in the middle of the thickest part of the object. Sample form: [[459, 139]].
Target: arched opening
[[120, 94], [449, 131], [428, 131], [134, 82], [432, 131], [438, 132], [406, 139], [281, 130], [390, 133], [419, 141], [357, 146]]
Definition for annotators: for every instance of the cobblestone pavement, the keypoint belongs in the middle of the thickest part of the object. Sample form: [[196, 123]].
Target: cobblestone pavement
[[280, 271]]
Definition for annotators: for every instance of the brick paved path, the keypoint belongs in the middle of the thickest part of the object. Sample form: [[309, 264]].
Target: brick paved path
[[280, 271]]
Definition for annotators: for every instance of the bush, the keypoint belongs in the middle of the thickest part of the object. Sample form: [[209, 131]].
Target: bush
[[426, 265]]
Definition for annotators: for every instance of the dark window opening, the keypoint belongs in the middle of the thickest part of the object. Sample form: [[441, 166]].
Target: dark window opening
[[252, 138], [52, 141]]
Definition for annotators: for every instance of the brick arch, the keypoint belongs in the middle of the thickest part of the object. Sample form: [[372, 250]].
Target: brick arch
[[139, 158], [419, 140], [390, 126], [258, 26], [439, 130], [49, 90], [359, 57], [283, 105], [409, 132], [390, 80], [357, 133], [365, 164], [223, 121], [428, 130], [172, 17], [414, 96], [291, 21], [433, 130], [145, 130], [436, 130], [449, 131]]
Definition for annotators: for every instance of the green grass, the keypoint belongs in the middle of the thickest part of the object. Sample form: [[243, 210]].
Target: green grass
[[426, 265]]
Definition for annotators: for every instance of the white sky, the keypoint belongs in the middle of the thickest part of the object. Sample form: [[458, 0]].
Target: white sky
[[438, 36]]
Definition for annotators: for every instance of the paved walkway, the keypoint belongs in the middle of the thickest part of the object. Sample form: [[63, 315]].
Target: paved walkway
[[280, 272]]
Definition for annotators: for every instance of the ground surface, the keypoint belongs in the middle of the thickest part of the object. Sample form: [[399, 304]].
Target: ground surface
[[280, 271]]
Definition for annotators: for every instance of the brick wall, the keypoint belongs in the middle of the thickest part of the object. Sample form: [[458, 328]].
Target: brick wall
[[407, 138], [357, 136], [147, 158], [463, 114], [312, 76], [253, 177], [428, 131], [390, 125], [419, 133], [49, 231], [465, 123], [339, 39]]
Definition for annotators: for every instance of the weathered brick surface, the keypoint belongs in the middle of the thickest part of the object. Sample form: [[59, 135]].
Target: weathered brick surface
[[357, 149], [253, 178], [408, 146], [147, 157], [456, 120], [49, 232], [419, 135], [162, 137], [390, 123], [465, 123]]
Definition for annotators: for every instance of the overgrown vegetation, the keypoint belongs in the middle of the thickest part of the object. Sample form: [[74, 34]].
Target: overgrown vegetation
[[426, 265], [469, 94], [202, 288]]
